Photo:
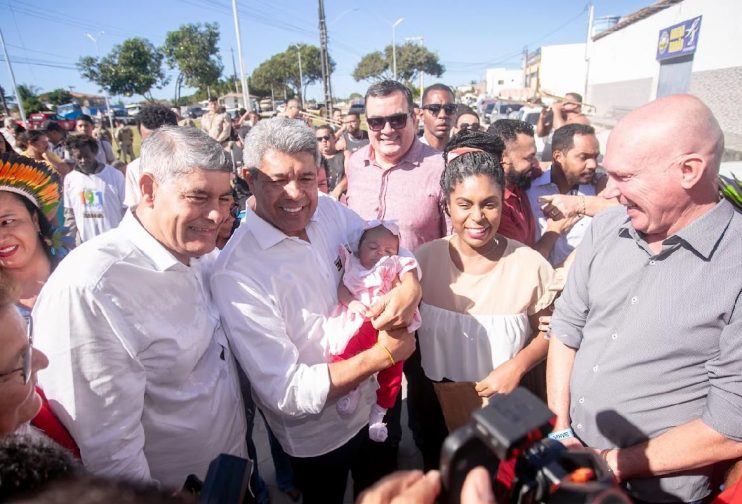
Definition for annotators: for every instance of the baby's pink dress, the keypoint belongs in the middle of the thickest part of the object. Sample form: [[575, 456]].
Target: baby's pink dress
[[367, 286]]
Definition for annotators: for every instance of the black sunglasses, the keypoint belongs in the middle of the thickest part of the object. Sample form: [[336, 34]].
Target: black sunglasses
[[27, 354], [472, 126], [396, 121], [435, 108], [326, 138]]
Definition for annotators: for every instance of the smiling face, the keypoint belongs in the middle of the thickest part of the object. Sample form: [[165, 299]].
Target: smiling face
[[580, 162], [642, 180], [376, 243], [285, 188], [438, 125], [389, 144], [475, 206], [20, 400], [185, 212], [519, 160], [19, 233]]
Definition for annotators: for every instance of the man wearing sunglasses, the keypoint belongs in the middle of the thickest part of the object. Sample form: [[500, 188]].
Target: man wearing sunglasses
[[334, 160], [396, 176], [466, 118], [437, 113]]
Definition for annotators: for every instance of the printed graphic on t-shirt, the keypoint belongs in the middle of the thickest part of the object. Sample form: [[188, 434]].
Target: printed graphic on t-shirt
[[92, 202]]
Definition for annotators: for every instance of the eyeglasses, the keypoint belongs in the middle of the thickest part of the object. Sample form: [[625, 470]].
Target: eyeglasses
[[435, 108], [396, 121], [326, 138], [472, 126], [27, 354]]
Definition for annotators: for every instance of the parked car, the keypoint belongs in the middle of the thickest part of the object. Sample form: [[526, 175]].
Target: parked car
[[357, 108], [194, 112], [503, 109], [39, 120]]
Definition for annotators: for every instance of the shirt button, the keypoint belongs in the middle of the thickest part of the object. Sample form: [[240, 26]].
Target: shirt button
[[614, 336], [595, 369], [652, 262], [579, 426], [581, 400], [634, 300]]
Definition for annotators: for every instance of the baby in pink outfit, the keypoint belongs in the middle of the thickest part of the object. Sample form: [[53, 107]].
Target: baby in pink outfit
[[369, 274]]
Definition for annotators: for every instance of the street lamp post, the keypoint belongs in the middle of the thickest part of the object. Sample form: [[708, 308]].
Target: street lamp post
[[109, 112], [394, 47]]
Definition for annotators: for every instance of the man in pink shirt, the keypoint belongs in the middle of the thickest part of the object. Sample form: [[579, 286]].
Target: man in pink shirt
[[396, 177], [519, 163]]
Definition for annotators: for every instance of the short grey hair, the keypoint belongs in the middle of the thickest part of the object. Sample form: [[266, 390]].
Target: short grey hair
[[281, 134], [172, 151]]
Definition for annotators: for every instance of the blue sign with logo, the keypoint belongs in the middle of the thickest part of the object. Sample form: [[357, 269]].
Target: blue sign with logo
[[679, 40]]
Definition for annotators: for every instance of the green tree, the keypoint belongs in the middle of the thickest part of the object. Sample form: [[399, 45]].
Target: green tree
[[58, 96], [192, 49], [372, 66], [282, 70], [134, 67], [411, 60], [29, 97]]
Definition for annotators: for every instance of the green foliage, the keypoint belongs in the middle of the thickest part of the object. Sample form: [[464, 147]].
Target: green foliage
[[373, 66], [411, 60], [30, 99], [282, 70], [134, 67], [192, 49], [58, 96], [730, 189]]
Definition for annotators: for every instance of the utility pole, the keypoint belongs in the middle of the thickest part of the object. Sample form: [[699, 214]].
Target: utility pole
[[394, 47], [109, 112], [526, 81], [243, 79], [301, 78], [588, 47], [234, 71], [12, 79], [421, 41], [326, 85]]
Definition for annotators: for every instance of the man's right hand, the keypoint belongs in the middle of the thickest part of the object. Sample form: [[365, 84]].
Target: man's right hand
[[399, 342], [562, 226]]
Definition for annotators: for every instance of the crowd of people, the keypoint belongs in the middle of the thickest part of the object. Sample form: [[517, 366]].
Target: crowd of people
[[148, 316]]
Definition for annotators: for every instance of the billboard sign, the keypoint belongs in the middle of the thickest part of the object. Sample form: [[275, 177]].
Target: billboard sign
[[679, 40]]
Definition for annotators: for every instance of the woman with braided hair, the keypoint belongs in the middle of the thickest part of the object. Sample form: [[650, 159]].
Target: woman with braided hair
[[482, 292]]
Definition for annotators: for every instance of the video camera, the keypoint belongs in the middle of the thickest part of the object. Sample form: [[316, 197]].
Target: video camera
[[514, 426]]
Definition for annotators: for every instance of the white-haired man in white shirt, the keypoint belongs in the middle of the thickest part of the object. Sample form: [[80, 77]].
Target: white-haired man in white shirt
[[142, 375], [274, 283]]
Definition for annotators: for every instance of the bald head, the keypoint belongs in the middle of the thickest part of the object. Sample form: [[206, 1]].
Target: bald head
[[663, 161], [673, 126]]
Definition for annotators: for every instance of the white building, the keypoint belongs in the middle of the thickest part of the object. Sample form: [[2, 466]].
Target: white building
[[669, 47], [499, 79], [563, 69], [557, 69]]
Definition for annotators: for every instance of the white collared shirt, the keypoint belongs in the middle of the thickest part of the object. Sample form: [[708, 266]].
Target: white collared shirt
[[139, 369], [565, 244], [273, 292]]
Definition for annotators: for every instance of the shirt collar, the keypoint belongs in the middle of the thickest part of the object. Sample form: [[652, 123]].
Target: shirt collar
[[413, 156], [702, 235], [265, 233], [162, 258], [543, 179]]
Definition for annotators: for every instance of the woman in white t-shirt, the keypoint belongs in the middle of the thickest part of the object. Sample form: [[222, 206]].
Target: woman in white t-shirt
[[482, 292]]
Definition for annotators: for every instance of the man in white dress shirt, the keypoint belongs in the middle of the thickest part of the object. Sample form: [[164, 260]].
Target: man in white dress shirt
[[273, 283], [142, 375]]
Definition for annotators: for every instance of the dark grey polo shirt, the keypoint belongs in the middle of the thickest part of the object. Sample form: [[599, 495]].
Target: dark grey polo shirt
[[658, 337]]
